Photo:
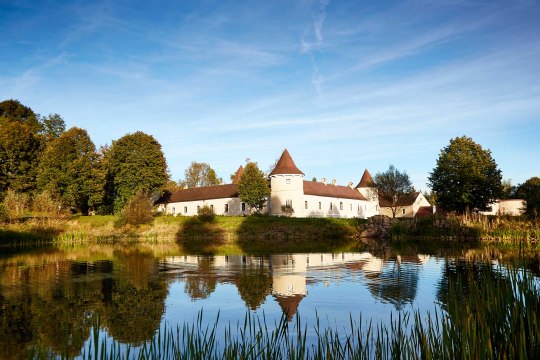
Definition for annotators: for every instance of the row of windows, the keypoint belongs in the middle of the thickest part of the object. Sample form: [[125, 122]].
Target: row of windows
[[226, 209]]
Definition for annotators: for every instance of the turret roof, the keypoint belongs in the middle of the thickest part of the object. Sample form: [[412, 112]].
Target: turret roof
[[238, 174], [366, 181], [286, 165]]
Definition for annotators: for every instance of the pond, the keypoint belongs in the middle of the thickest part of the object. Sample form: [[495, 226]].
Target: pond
[[49, 296]]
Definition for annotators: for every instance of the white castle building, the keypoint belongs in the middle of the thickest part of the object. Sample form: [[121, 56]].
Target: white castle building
[[288, 187]]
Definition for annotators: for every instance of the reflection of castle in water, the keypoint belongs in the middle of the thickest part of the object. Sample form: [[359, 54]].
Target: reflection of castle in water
[[286, 277]]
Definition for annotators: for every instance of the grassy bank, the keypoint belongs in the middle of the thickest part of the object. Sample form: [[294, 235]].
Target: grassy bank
[[504, 229], [248, 234], [484, 314]]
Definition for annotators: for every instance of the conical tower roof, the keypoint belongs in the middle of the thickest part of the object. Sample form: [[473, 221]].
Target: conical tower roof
[[366, 180], [237, 175], [286, 165]]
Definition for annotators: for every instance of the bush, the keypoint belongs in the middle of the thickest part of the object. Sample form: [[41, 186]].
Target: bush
[[47, 205], [206, 213], [15, 205], [138, 210], [287, 210]]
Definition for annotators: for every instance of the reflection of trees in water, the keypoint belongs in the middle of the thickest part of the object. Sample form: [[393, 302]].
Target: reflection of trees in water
[[467, 273], [397, 283], [201, 284], [15, 326], [254, 284], [52, 303], [133, 315]]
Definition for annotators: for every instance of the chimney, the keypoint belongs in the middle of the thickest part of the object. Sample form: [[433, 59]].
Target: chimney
[[350, 184], [323, 180], [334, 182]]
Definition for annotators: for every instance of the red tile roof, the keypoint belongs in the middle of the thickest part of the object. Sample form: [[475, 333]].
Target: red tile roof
[[336, 191], [205, 193], [424, 211], [285, 165], [404, 200], [366, 180], [289, 304], [238, 174]]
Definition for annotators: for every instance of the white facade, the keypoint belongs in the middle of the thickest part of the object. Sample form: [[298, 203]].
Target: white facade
[[513, 207], [407, 210], [226, 207]]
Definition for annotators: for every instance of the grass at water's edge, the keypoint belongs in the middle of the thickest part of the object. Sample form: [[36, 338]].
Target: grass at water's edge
[[501, 229], [483, 315]]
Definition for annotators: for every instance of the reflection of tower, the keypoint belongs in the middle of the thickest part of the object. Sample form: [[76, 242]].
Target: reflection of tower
[[289, 281]]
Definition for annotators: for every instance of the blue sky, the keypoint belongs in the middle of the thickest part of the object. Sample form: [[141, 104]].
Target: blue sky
[[344, 85]]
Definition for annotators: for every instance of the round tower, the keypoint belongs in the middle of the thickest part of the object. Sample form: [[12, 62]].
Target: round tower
[[287, 186]]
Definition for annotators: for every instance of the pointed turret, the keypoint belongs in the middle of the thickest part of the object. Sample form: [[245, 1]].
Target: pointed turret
[[237, 175], [286, 165], [366, 180]]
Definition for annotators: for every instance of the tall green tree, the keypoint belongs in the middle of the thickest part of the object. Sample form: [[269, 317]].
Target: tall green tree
[[199, 175], [465, 177], [530, 192], [70, 167], [393, 186], [20, 149], [135, 164], [253, 187]]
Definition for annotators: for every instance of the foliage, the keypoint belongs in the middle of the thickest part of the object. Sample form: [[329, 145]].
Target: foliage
[[508, 191], [253, 187], [138, 210], [13, 110], [20, 148], [393, 186], [48, 205], [199, 175], [465, 177], [530, 192], [52, 126], [15, 205], [287, 210], [254, 284], [70, 167], [206, 213], [135, 163]]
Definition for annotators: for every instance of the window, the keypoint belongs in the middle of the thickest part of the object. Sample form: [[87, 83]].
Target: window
[[331, 206], [403, 211], [288, 203], [288, 181], [305, 204], [212, 207], [320, 205], [198, 207], [173, 210], [226, 208], [341, 205], [358, 207], [243, 206], [185, 209]]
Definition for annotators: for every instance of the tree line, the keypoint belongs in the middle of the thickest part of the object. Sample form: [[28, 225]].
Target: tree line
[[39, 157], [44, 164]]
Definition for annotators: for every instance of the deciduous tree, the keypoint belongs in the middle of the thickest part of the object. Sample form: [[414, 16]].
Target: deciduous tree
[[530, 192], [135, 164], [393, 186], [70, 168], [198, 175], [253, 187], [465, 177]]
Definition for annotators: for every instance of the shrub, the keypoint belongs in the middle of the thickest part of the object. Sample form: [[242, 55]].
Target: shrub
[[206, 213], [15, 205], [287, 210], [138, 210], [46, 205]]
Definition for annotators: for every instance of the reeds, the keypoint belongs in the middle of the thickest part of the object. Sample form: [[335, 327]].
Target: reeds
[[487, 314]]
